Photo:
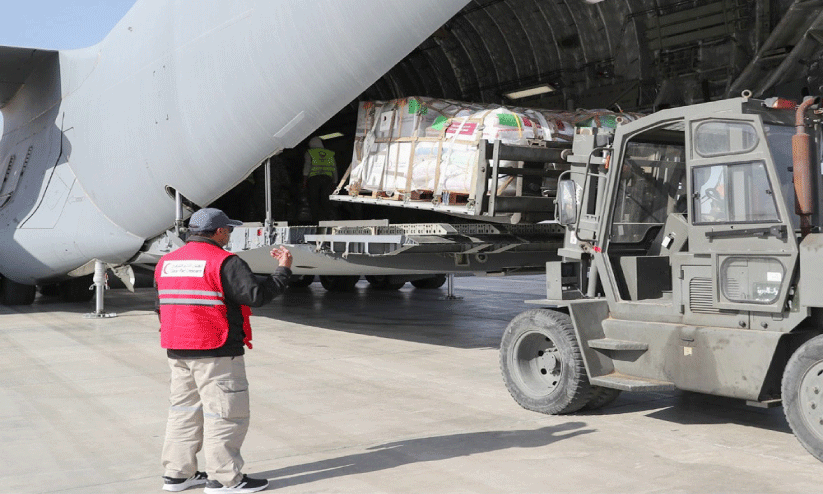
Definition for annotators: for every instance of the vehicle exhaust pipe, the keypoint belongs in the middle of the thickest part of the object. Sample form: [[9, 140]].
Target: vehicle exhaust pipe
[[802, 162]]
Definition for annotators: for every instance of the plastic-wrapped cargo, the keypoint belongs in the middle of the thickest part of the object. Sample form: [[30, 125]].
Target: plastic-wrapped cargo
[[420, 147]]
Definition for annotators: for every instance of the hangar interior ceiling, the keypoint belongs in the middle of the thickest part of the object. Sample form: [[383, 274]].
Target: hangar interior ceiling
[[634, 55]]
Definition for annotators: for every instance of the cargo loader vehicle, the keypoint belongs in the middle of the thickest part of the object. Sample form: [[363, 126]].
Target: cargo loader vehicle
[[691, 260]]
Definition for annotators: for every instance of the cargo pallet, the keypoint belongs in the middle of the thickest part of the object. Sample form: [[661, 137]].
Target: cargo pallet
[[490, 179]]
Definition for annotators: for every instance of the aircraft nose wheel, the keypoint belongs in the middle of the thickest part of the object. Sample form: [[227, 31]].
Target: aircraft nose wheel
[[802, 391]]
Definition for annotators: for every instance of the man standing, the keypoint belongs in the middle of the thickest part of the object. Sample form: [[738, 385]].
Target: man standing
[[319, 178], [204, 295]]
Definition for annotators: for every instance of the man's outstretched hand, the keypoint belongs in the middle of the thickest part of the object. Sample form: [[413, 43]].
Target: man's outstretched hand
[[283, 256]]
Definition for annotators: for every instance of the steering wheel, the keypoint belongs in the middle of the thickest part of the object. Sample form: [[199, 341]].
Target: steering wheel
[[717, 205], [714, 195]]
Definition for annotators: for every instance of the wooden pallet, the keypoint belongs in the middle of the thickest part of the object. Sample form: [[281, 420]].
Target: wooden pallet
[[445, 198], [421, 195], [454, 198]]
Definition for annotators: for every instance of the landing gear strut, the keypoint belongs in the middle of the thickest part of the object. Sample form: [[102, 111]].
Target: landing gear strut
[[100, 286]]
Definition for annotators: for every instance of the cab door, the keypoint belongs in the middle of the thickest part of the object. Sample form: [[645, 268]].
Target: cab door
[[646, 221], [742, 247]]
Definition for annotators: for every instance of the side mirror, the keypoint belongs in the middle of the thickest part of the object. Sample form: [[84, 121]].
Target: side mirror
[[566, 202]]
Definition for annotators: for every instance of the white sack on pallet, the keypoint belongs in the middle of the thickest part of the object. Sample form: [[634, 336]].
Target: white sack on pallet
[[388, 141], [455, 168]]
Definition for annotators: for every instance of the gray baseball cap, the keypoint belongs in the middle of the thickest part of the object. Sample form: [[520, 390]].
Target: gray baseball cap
[[210, 219]]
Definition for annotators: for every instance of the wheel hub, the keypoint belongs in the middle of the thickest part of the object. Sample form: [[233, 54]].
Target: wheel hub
[[810, 399], [536, 364]]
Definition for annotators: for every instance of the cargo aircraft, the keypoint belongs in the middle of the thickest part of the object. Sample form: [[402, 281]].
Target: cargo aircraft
[[181, 99]]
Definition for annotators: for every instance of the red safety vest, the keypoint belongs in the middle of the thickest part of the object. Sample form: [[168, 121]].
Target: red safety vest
[[192, 301]]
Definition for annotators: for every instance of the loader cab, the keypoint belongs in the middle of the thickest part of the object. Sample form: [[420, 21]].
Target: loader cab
[[648, 217], [698, 228]]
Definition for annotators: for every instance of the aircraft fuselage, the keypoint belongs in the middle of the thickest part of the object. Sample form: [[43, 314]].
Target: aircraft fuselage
[[178, 97]]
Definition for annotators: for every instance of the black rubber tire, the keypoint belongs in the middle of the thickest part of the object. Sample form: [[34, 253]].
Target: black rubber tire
[[339, 283], [541, 363], [802, 391], [76, 289], [49, 290], [601, 397], [384, 283], [432, 283], [301, 281], [13, 293]]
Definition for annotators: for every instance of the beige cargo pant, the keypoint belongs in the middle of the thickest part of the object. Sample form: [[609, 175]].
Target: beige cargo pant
[[210, 410]]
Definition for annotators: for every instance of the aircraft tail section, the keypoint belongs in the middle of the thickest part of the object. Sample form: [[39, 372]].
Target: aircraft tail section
[[16, 65]]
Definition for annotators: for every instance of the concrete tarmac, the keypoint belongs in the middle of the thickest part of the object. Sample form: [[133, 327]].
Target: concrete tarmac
[[370, 391]]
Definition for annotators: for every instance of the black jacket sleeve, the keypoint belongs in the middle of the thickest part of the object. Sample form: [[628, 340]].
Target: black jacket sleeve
[[156, 296], [243, 287]]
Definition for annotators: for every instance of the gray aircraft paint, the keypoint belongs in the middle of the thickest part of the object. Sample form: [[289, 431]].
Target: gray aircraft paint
[[189, 95]]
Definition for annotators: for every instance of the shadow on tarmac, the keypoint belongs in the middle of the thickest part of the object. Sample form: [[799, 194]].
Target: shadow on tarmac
[[396, 454], [421, 316], [691, 408]]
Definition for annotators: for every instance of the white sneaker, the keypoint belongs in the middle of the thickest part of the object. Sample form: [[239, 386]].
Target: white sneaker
[[247, 484], [177, 485]]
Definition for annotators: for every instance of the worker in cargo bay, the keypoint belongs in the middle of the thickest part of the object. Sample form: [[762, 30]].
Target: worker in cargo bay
[[319, 178]]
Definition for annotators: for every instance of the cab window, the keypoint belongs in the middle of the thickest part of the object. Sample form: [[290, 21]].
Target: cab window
[[652, 185], [717, 138], [736, 193]]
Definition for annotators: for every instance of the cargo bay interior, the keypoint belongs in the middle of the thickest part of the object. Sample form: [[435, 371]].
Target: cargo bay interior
[[632, 55]]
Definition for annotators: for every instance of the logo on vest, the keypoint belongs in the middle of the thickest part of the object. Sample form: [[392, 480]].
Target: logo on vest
[[183, 269]]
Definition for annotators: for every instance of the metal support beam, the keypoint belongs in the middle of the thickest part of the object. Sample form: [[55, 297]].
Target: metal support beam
[[450, 286], [557, 153], [178, 212], [795, 32], [494, 175], [268, 223], [100, 286]]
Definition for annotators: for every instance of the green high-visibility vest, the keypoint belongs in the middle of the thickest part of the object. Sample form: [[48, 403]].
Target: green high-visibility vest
[[322, 162]]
